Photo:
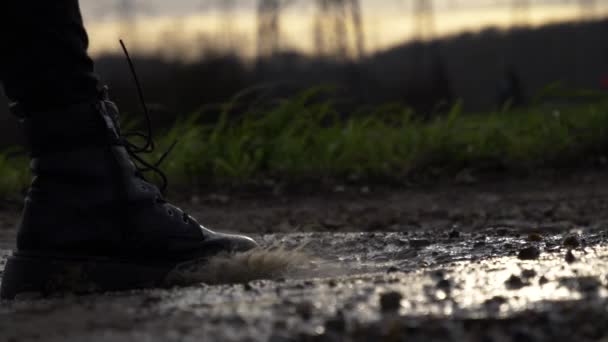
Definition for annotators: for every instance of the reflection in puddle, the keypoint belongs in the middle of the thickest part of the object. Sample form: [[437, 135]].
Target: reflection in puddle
[[374, 278], [503, 285]]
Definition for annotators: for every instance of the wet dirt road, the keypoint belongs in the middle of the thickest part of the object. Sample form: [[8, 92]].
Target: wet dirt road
[[432, 282], [439, 286]]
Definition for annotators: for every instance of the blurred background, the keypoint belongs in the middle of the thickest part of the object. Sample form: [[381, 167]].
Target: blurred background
[[426, 54]]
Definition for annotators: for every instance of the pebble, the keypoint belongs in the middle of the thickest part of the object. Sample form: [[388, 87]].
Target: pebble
[[454, 234], [304, 310], [444, 284], [420, 243], [528, 273], [529, 253], [392, 269], [390, 301], [514, 283], [571, 242], [337, 324], [588, 284], [502, 232], [438, 274], [279, 338], [496, 300], [28, 296], [535, 237], [570, 258], [479, 244]]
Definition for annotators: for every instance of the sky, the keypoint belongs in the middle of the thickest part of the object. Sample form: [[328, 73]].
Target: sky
[[183, 28]]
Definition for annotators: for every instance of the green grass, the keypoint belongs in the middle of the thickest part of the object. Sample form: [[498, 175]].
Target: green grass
[[14, 173], [302, 139]]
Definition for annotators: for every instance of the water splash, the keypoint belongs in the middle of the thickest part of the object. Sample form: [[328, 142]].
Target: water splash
[[269, 263]]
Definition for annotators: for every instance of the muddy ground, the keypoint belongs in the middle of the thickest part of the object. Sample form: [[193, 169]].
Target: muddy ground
[[494, 260]]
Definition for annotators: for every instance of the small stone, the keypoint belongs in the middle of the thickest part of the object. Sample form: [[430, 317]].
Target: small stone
[[278, 338], [390, 301], [571, 242], [439, 274], [444, 284], [570, 258], [392, 269], [528, 273], [454, 234], [332, 223], [543, 280], [535, 237], [495, 301], [419, 243], [502, 232], [465, 177], [529, 253], [514, 283], [522, 336], [28, 296], [479, 244], [304, 310], [337, 324], [588, 284], [221, 199]]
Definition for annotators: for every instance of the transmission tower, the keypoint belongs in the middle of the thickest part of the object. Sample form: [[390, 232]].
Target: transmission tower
[[424, 20], [226, 10], [588, 9], [520, 12], [126, 13], [269, 26], [338, 28], [359, 35]]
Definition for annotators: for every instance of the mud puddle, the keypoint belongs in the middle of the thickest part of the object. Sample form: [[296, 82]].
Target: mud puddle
[[495, 284]]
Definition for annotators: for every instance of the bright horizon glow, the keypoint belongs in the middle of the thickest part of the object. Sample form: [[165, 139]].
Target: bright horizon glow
[[185, 36]]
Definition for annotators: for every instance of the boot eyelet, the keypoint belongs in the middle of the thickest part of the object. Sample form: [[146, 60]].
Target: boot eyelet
[[170, 212]]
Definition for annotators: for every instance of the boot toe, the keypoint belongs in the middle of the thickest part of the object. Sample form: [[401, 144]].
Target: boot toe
[[239, 243], [230, 243]]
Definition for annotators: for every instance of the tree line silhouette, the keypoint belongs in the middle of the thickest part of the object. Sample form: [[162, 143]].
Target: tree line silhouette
[[338, 29], [485, 69]]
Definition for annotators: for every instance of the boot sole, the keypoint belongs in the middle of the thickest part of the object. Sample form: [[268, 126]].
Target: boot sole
[[47, 275]]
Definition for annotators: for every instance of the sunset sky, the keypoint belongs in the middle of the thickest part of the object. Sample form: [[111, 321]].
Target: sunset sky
[[179, 28]]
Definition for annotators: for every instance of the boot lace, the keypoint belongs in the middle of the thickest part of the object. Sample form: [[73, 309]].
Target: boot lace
[[134, 150]]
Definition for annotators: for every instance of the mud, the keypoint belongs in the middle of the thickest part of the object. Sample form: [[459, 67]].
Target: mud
[[530, 271]]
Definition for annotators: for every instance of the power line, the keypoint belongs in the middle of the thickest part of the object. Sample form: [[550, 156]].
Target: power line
[[424, 20], [588, 9], [269, 26], [338, 28], [126, 12], [520, 12]]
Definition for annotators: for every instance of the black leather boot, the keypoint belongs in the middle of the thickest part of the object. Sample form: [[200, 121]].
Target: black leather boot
[[91, 222]]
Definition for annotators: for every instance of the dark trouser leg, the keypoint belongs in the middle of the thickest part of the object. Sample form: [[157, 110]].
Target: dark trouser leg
[[43, 57], [90, 222]]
